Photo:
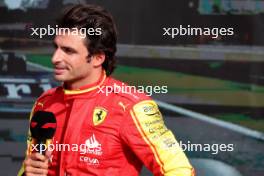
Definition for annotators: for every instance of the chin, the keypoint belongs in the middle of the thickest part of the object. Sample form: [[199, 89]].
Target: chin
[[60, 78]]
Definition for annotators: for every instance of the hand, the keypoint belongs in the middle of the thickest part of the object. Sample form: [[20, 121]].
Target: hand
[[37, 164]]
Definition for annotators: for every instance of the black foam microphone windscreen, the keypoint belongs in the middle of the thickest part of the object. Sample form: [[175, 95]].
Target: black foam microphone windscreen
[[42, 127]]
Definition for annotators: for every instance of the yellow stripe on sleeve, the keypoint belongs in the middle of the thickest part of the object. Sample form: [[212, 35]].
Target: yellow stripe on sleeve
[[161, 140], [147, 141]]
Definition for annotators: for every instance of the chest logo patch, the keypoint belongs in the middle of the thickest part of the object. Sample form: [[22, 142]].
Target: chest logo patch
[[99, 115]]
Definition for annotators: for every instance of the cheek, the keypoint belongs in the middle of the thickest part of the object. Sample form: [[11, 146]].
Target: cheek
[[83, 68], [78, 65], [74, 63]]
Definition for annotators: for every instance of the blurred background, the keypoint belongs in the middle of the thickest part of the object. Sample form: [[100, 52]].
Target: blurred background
[[215, 85]]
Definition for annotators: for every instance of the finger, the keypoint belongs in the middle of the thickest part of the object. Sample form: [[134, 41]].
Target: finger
[[40, 164], [31, 174], [36, 163], [38, 156], [35, 171]]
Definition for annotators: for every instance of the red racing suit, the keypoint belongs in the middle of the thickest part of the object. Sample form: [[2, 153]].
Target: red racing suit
[[121, 131]]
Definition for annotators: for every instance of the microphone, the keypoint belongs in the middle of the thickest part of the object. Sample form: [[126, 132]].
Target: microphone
[[42, 127]]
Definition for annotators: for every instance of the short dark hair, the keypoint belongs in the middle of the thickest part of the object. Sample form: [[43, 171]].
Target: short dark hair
[[93, 16]]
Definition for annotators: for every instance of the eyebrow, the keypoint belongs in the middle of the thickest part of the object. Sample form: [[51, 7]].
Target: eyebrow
[[65, 47]]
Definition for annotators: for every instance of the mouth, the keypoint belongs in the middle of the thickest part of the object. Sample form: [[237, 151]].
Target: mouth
[[58, 70]]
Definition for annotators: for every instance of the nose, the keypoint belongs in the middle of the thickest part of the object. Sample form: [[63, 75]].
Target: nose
[[57, 56]]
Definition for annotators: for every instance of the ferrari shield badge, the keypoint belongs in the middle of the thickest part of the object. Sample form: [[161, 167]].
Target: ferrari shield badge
[[99, 115]]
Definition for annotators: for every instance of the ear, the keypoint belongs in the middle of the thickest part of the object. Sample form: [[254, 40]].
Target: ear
[[98, 59]]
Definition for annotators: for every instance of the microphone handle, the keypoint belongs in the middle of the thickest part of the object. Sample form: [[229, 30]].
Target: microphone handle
[[41, 146]]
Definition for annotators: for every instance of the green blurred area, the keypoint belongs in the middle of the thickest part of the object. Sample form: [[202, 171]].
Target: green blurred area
[[44, 60], [207, 89]]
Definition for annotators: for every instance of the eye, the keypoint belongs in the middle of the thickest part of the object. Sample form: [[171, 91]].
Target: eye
[[68, 50]]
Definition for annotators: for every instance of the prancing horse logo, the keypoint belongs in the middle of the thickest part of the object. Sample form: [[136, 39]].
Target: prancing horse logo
[[99, 115]]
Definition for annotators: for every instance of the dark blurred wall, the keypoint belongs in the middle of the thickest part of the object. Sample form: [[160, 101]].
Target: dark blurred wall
[[141, 22]]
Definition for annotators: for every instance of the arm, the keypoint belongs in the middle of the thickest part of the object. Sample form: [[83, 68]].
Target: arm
[[34, 157], [155, 145], [29, 139], [34, 163]]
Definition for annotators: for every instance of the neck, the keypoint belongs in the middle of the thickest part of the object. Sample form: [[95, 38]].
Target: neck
[[76, 84]]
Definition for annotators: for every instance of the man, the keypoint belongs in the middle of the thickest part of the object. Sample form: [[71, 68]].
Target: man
[[121, 131]]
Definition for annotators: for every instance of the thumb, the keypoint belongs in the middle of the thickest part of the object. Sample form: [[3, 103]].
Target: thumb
[[48, 153]]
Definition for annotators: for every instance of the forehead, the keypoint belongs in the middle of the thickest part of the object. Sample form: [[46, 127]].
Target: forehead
[[70, 40]]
